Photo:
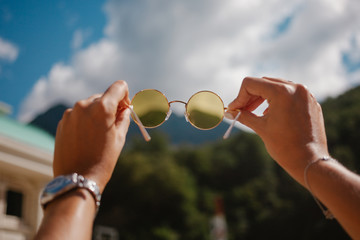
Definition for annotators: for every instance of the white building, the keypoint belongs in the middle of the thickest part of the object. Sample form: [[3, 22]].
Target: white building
[[26, 154]]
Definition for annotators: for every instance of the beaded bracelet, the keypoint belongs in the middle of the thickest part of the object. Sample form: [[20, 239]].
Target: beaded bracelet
[[326, 212]]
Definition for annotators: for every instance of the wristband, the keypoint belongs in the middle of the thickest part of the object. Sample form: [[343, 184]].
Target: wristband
[[65, 183]]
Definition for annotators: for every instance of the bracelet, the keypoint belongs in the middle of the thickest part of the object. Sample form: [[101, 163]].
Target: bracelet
[[327, 213]]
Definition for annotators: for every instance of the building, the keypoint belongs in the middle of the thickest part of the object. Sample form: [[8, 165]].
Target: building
[[26, 154]]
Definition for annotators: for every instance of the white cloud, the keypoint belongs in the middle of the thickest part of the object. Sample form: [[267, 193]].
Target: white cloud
[[8, 51], [90, 72], [180, 47], [79, 37]]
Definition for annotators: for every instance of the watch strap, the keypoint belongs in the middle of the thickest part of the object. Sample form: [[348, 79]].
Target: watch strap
[[65, 183]]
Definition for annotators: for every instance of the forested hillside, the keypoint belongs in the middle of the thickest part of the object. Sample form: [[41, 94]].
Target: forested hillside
[[342, 121], [159, 191]]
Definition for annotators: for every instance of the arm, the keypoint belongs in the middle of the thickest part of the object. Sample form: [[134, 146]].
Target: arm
[[88, 141], [292, 129]]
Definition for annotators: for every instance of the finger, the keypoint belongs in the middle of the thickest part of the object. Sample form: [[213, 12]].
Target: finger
[[279, 80], [252, 121], [94, 97], [254, 104], [266, 111], [122, 123], [118, 92], [252, 88], [66, 114], [59, 127], [123, 119]]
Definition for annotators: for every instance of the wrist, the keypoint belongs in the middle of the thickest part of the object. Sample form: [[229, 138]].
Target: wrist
[[72, 201], [75, 208], [296, 162], [323, 160], [66, 184]]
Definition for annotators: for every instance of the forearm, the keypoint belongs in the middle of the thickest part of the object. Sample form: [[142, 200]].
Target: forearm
[[70, 216], [339, 190]]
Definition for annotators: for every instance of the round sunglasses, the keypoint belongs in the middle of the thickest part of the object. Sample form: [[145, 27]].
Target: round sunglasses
[[204, 110]]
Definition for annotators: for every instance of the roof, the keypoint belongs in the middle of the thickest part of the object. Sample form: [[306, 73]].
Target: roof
[[26, 133]]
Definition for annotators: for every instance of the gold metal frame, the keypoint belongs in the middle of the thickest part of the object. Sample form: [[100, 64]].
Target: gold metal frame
[[186, 110], [165, 99]]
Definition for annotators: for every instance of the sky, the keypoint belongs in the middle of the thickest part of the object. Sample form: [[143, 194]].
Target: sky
[[62, 51]]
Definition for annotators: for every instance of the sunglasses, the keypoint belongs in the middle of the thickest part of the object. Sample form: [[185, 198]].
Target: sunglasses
[[204, 110]]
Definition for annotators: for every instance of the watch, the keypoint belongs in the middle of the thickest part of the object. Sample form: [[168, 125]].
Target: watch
[[65, 183]]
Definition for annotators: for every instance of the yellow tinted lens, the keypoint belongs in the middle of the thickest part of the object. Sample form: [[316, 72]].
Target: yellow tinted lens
[[205, 110], [151, 106]]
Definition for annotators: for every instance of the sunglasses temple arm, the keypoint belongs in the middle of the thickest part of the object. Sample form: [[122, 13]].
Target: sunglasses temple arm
[[227, 133], [141, 126]]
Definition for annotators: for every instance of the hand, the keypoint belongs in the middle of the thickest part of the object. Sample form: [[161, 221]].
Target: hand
[[292, 127], [91, 136]]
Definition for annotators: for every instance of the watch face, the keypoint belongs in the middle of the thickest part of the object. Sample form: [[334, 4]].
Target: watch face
[[58, 183]]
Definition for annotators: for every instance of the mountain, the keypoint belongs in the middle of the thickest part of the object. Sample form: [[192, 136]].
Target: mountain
[[49, 119], [177, 129]]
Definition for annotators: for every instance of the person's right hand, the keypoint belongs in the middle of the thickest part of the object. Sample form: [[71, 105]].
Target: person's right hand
[[90, 136], [292, 126]]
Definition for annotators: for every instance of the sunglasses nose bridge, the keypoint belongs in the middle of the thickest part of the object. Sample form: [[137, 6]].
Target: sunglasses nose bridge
[[177, 101]]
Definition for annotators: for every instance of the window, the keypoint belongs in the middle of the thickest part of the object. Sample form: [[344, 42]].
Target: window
[[14, 204]]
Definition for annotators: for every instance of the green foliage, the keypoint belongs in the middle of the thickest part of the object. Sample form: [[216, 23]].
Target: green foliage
[[159, 191], [342, 121], [150, 196]]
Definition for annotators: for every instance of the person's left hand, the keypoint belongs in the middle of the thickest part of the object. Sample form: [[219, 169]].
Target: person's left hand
[[90, 136]]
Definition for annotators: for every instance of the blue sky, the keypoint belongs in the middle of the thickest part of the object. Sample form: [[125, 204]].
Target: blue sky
[[43, 32], [62, 50]]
